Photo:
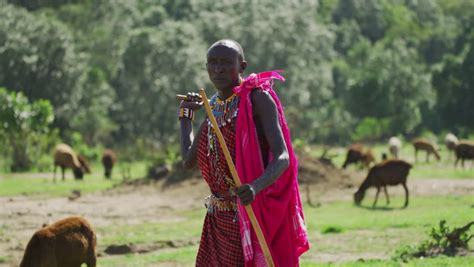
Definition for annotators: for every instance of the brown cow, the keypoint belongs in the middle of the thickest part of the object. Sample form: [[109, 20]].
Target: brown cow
[[356, 153], [389, 172], [66, 243], [108, 160], [66, 158], [464, 150], [425, 145]]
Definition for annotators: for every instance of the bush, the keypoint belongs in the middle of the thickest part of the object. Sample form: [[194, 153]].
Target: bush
[[81, 148], [42, 155], [24, 127], [442, 241], [332, 229], [371, 129]]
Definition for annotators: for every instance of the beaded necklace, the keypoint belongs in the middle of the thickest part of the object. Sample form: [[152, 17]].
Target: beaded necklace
[[224, 111]]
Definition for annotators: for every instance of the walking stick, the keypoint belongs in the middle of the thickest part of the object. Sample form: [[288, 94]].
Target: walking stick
[[235, 177]]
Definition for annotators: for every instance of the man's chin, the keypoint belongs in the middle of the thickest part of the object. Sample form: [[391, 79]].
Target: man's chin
[[221, 84]]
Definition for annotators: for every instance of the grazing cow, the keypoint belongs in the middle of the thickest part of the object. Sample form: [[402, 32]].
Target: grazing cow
[[108, 160], [356, 153], [451, 141], [65, 157], [395, 144], [425, 145], [464, 150], [389, 172]]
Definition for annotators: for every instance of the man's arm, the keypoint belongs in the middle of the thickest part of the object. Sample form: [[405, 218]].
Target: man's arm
[[188, 144], [265, 109]]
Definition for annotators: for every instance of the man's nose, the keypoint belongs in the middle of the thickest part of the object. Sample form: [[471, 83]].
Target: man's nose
[[219, 68]]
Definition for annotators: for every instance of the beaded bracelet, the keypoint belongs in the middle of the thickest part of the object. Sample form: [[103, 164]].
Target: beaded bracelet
[[186, 113]]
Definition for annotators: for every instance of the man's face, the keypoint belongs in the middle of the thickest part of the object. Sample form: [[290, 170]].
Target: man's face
[[223, 67]]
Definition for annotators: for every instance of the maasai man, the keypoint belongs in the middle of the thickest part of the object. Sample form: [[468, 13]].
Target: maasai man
[[251, 119]]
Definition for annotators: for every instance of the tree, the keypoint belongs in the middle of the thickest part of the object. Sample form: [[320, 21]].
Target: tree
[[111, 68], [454, 85], [22, 125], [101, 29], [156, 65], [387, 81], [369, 15], [38, 58], [288, 38], [92, 119], [36, 4]]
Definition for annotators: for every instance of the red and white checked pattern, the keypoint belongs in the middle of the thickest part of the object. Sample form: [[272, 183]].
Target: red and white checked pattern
[[220, 243]]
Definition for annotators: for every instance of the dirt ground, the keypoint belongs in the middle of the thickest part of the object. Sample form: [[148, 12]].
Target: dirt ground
[[20, 216]]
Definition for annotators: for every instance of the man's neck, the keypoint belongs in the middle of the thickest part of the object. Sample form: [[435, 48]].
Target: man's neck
[[224, 93]]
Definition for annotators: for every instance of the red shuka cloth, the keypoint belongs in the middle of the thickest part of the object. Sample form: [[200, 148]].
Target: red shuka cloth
[[278, 207]]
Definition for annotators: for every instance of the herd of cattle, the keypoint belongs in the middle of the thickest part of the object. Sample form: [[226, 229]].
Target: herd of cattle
[[463, 150], [394, 171], [66, 158]]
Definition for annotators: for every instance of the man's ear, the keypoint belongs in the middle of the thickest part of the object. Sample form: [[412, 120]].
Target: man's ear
[[243, 66]]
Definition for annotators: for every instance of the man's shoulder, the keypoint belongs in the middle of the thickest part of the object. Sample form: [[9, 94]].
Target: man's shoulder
[[261, 98], [258, 94]]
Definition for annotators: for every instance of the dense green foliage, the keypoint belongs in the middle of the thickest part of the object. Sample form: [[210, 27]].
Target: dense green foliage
[[356, 69], [24, 126]]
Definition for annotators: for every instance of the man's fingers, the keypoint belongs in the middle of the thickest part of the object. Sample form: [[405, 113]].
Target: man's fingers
[[247, 200], [194, 97], [191, 105], [243, 188], [195, 105], [245, 194], [191, 100], [239, 190], [189, 97]]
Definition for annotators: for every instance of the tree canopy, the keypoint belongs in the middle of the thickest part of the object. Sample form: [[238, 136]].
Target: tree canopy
[[110, 69]]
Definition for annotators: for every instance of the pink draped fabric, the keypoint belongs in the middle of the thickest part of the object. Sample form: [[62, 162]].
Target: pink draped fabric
[[278, 207]]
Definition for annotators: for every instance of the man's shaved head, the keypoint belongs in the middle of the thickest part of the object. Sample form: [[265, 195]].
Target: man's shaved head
[[230, 44]]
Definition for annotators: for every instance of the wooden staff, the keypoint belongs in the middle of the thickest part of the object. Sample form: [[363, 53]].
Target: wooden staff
[[235, 176]]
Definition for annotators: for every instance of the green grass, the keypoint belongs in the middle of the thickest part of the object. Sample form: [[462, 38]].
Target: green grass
[[440, 170], [426, 262], [382, 230], [363, 230], [3, 259], [12, 184], [185, 255], [185, 225], [422, 212]]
